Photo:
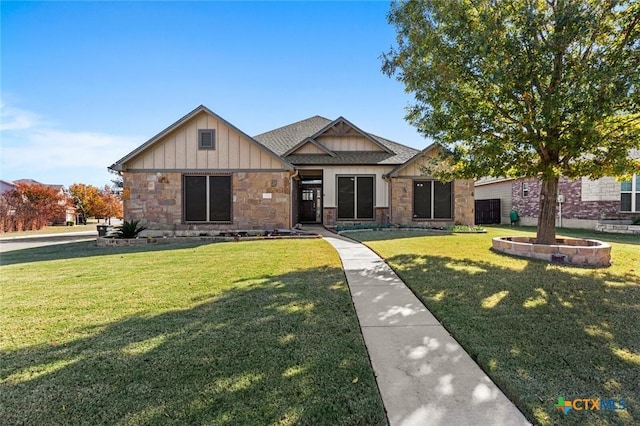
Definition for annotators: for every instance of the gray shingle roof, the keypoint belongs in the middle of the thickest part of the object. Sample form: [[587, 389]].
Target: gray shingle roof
[[284, 138]]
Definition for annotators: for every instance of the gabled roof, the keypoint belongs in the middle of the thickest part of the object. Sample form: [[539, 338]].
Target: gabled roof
[[118, 164], [287, 139], [420, 154], [284, 138], [343, 126], [314, 143], [35, 182]]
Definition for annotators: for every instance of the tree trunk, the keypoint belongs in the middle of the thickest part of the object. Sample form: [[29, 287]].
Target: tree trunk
[[547, 215]]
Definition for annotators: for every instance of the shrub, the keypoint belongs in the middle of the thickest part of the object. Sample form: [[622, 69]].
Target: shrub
[[130, 229]]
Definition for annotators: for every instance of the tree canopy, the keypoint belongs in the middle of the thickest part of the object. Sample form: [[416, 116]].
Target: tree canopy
[[521, 88]]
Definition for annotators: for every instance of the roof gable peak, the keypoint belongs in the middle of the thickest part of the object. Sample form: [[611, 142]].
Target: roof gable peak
[[342, 127]]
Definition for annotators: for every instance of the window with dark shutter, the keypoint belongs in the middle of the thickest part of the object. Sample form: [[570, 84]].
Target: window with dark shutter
[[195, 198], [365, 197], [346, 197], [442, 200], [207, 198], [422, 199], [206, 139], [220, 198], [356, 197], [432, 200]]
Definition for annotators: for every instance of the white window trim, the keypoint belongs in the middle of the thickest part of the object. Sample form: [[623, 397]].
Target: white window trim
[[635, 190]]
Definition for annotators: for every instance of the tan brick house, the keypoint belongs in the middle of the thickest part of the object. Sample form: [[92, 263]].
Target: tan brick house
[[204, 174]]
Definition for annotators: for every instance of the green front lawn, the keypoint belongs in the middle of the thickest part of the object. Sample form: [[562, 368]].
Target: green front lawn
[[257, 332], [540, 331]]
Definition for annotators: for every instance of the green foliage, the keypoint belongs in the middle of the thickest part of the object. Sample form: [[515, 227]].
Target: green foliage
[[524, 89], [130, 229], [467, 228], [636, 221], [521, 88], [362, 226]]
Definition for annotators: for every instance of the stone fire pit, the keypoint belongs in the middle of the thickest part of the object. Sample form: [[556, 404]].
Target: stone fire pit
[[571, 251]]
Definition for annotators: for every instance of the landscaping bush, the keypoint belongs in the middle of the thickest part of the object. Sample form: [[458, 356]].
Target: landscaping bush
[[130, 229]]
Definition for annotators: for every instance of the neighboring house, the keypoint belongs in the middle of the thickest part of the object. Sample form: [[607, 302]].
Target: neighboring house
[[68, 214], [582, 203], [202, 174], [6, 186]]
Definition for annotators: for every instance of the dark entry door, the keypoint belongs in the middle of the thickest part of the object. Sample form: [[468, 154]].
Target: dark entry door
[[309, 204]]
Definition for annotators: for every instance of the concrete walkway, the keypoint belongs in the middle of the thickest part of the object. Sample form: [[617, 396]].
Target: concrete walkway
[[424, 375]]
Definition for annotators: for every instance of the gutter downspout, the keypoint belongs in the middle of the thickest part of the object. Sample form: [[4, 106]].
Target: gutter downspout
[[293, 176], [389, 203]]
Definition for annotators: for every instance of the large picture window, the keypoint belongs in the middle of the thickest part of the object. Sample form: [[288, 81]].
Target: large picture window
[[630, 195], [431, 199], [355, 197], [207, 198]]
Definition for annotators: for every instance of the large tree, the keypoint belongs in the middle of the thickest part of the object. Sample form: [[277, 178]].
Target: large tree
[[521, 88]]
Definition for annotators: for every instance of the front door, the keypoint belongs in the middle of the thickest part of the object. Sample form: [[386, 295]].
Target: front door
[[310, 204]]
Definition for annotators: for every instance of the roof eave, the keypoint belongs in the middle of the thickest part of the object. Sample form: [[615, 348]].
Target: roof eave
[[356, 128], [394, 172], [312, 141], [118, 165]]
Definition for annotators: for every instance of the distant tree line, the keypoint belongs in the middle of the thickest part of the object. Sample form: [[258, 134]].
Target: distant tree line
[[32, 206]]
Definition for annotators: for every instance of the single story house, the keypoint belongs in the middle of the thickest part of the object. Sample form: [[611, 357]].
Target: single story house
[[204, 174], [582, 203]]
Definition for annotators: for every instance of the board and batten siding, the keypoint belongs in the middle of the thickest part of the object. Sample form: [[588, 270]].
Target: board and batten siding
[[501, 190], [414, 168], [348, 143], [309, 148], [179, 150], [330, 182]]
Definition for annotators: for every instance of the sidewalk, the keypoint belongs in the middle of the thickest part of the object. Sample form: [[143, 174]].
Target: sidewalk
[[424, 375]]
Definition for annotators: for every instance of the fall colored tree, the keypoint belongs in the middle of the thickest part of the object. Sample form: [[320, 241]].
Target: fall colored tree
[[87, 199], [111, 205], [30, 207], [521, 88]]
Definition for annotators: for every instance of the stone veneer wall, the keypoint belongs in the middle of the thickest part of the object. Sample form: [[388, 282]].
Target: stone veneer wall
[[156, 200], [574, 209], [402, 204], [330, 217], [572, 251]]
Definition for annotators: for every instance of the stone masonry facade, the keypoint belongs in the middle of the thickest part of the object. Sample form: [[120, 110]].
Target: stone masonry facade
[[261, 200], [574, 207], [330, 217], [402, 204]]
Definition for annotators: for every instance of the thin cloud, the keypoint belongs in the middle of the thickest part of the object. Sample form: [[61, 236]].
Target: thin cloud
[[31, 148], [12, 118]]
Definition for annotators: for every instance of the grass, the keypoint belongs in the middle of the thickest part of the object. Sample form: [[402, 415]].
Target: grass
[[540, 331], [259, 332]]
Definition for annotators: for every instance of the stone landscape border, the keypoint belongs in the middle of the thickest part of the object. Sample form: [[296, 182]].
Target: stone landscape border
[[572, 251], [618, 229], [123, 242]]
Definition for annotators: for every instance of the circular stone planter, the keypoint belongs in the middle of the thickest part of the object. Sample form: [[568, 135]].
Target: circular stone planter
[[572, 251]]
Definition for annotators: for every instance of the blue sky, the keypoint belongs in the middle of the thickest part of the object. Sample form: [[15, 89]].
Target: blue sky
[[84, 83]]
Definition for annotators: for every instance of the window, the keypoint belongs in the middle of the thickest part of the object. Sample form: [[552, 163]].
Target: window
[[525, 189], [431, 199], [206, 139], [355, 197], [630, 195], [207, 198]]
